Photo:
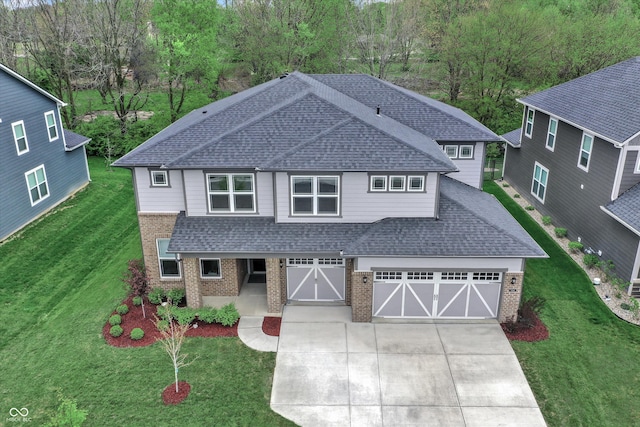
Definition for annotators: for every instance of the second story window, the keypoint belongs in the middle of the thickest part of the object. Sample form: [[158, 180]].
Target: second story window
[[159, 179], [585, 151], [231, 193], [315, 195], [52, 130], [528, 127], [551, 134], [20, 137], [37, 184]]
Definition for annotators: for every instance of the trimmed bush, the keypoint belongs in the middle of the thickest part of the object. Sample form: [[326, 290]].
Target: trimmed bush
[[560, 232], [505, 185], [116, 319], [227, 315], [122, 309], [546, 220], [183, 315], [175, 295], [137, 301], [516, 196], [207, 315], [136, 334], [115, 331], [529, 208], [576, 247], [590, 260], [156, 295]]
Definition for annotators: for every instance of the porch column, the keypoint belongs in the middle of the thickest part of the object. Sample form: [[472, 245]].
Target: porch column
[[193, 289], [361, 296], [510, 298], [274, 291]]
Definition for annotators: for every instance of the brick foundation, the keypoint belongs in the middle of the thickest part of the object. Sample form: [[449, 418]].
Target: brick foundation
[[361, 296], [510, 298]]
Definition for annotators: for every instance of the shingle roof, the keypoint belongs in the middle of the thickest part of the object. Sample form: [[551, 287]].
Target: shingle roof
[[604, 102], [469, 219], [316, 122], [73, 140], [513, 137], [626, 208]]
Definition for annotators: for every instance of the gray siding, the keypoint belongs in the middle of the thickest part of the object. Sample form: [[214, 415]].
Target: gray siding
[[65, 171], [629, 175], [159, 199], [471, 170], [574, 196]]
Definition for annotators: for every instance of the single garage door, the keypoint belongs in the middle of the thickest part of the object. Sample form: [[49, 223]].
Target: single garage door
[[433, 294], [315, 279]]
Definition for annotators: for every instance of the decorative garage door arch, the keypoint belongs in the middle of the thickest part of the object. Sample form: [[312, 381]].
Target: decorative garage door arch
[[433, 294], [315, 279]]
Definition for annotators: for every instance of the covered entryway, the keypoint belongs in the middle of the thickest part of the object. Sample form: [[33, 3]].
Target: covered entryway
[[315, 279], [433, 294]]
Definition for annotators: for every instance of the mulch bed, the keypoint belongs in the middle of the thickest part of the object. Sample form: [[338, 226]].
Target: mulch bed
[[134, 319], [538, 332], [271, 326], [169, 395]]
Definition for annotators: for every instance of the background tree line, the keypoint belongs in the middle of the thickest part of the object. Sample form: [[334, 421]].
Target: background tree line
[[476, 54]]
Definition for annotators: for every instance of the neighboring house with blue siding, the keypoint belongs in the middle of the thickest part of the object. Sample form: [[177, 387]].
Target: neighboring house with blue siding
[[41, 164], [577, 159], [340, 188]]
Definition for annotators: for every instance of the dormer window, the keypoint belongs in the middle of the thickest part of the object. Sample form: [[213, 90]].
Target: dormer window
[[52, 130], [20, 137], [315, 195], [231, 193]]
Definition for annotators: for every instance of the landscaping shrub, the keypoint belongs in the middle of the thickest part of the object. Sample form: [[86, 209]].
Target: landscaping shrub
[[137, 334], [505, 185], [156, 295], [207, 315], [115, 331], [175, 295], [576, 247], [163, 325], [67, 414], [136, 278], [137, 301], [116, 319], [560, 232], [227, 315], [516, 196], [527, 315], [122, 309], [529, 208], [546, 220], [590, 260], [183, 315], [608, 269]]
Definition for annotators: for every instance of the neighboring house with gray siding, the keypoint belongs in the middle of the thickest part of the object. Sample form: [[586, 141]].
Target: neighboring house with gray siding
[[577, 159], [41, 164], [332, 188]]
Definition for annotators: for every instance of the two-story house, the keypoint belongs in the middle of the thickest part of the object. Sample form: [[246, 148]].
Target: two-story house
[[577, 159], [330, 188], [41, 164]]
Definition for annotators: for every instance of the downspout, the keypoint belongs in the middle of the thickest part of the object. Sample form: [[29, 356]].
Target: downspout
[[436, 210]]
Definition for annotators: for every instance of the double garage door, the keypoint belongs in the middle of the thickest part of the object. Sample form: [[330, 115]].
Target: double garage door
[[426, 294], [315, 279]]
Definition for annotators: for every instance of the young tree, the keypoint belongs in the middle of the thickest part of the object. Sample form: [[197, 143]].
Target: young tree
[[137, 280]]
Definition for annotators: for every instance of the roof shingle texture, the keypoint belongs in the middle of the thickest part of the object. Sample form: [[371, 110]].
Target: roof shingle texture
[[513, 137], [605, 101], [627, 207]]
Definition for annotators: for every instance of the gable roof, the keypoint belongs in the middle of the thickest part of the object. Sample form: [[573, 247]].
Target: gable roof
[[74, 140], [604, 102], [34, 86], [626, 209], [301, 123]]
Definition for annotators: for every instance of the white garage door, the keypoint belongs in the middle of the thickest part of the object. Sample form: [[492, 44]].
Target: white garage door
[[433, 294], [315, 279]]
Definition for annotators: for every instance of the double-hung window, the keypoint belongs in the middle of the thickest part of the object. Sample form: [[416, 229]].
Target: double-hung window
[[37, 184], [52, 130], [551, 134], [585, 151], [231, 192], [315, 195], [539, 182], [20, 137], [528, 127], [169, 265]]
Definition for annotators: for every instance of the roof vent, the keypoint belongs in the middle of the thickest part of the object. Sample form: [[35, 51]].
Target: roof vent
[[204, 111], [378, 110], [284, 75]]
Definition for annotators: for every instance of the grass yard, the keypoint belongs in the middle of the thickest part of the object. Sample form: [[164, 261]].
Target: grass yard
[[59, 281], [588, 372]]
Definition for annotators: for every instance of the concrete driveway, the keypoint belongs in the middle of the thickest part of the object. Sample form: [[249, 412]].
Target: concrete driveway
[[331, 372]]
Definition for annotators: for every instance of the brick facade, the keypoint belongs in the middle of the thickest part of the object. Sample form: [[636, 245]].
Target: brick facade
[[275, 295], [233, 273], [152, 227], [361, 296], [510, 298]]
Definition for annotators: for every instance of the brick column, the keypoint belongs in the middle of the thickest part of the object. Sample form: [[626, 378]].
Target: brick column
[[510, 298], [274, 290], [361, 296], [283, 281], [192, 282]]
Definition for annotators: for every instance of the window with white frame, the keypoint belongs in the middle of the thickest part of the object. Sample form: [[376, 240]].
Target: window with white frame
[[396, 183], [585, 151], [159, 179], [415, 183], [210, 268], [52, 130], [20, 137], [378, 183], [37, 184], [315, 195], [231, 192], [528, 127], [451, 151], [169, 265], [539, 182], [551, 134], [465, 152]]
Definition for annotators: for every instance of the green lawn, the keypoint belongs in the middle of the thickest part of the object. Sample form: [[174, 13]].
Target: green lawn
[[59, 281], [588, 372]]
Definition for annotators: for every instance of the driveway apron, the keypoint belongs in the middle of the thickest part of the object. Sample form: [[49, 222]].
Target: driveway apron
[[332, 372]]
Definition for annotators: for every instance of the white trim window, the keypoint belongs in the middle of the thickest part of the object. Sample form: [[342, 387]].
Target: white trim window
[[415, 183], [37, 184], [231, 192], [315, 195], [539, 182], [168, 263], [528, 127], [20, 137], [378, 183], [210, 268], [396, 183], [159, 179], [52, 129], [451, 151], [465, 152], [551, 134], [585, 151]]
